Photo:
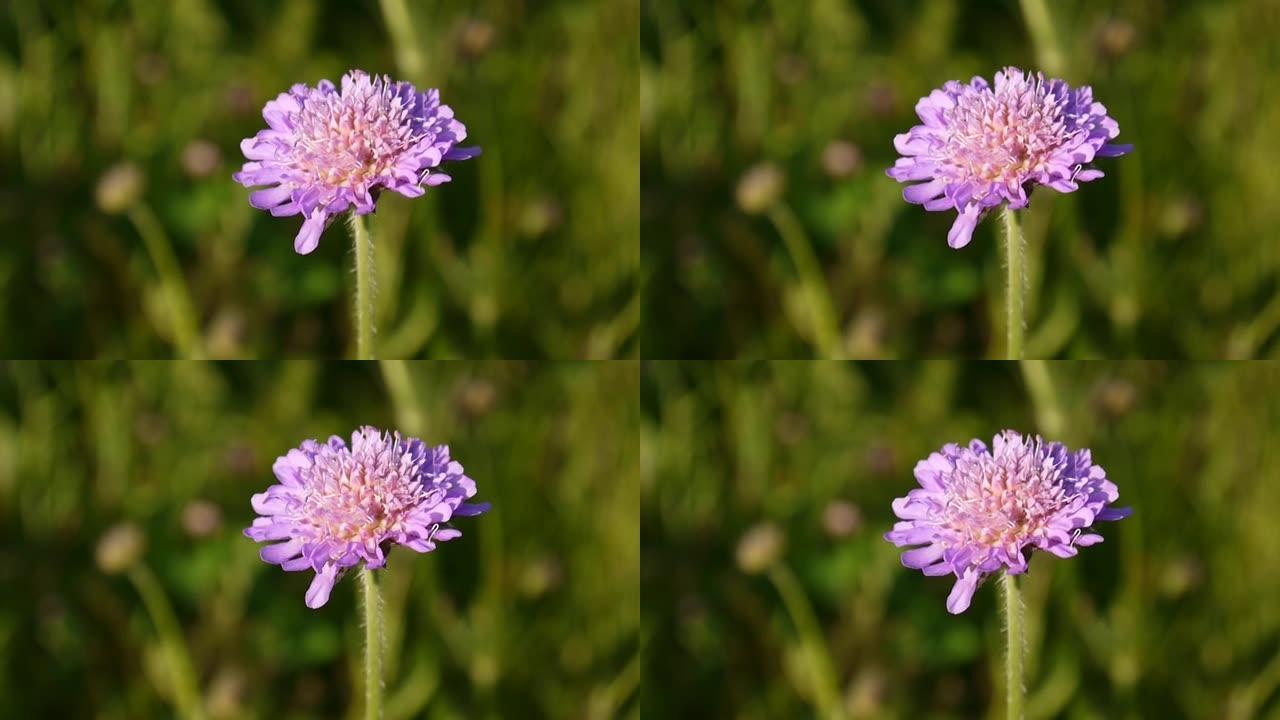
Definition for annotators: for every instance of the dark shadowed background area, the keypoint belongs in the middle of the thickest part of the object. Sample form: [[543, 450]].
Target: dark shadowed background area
[[533, 612], [766, 128], [766, 490], [138, 108]]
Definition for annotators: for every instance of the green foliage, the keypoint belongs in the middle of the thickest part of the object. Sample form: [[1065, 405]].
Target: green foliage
[[1171, 255], [1171, 617], [532, 613], [490, 265]]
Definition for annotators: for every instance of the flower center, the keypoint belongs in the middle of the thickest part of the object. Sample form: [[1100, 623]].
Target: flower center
[[1002, 502], [363, 496], [351, 140], [1002, 138]]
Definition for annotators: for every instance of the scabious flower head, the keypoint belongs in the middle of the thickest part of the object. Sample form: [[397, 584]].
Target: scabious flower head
[[978, 510], [338, 506], [327, 150], [980, 146]]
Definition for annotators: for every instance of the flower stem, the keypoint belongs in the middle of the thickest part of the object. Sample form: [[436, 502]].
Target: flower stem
[[372, 646], [1014, 249], [185, 690], [1013, 663], [826, 689], [186, 331], [822, 319], [364, 288]]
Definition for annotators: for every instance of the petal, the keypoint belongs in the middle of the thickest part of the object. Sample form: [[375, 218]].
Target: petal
[[1114, 150], [1114, 513], [269, 198], [321, 586], [276, 554], [922, 557], [907, 533], [962, 229], [962, 592], [270, 503], [1062, 550], [924, 192], [1088, 539], [446, 534], [468, 510], [462, 153], [309, 236]]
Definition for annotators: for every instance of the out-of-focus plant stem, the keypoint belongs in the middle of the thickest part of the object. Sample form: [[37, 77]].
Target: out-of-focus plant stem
[[1035, 373], [403, 39], [181, 314], [826, 333], [185, 690], [1040, 25], [826, 689]]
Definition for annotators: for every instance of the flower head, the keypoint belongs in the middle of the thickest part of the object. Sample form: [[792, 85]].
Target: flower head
[[980, 146], [327, 150], [337, 505], [979, 510]]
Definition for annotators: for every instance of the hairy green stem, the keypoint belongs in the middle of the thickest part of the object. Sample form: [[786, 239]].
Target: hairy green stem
[[185, 689], [372, 646], [1040, 25], [364, 288], [1014, 251], [1013, 663], [826, 333], [181, 314], [826, 689]]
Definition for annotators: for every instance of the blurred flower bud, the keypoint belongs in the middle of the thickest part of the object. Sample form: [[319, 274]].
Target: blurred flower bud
[[1179, 576], [226, 694], [539, 217], [200, 158], [1180, 216], [841, 159], [841, 518], [759, 548], [882, 99], [475, 398], [120, 548], [539, 576], [1115, 37], [119, 188], [201, 518], [475, 37], [1115, 398], [760, 188]]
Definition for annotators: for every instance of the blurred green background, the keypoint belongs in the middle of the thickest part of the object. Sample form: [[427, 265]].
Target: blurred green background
[[743, 464], [490, 265], [1172, 255], [532, 613]]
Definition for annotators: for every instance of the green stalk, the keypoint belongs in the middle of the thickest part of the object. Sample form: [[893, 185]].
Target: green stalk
[[826, 689], [1014, 250], [1035, 373], [1040, 25], [1013, 664], [185, 328], [185, 690], [405, 43], [372, 646], [364, 288], [826, 333]]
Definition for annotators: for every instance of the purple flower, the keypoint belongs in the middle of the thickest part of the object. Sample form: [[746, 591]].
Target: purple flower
[[338, 506], [978, 511], [979, 147], [328, 150]]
